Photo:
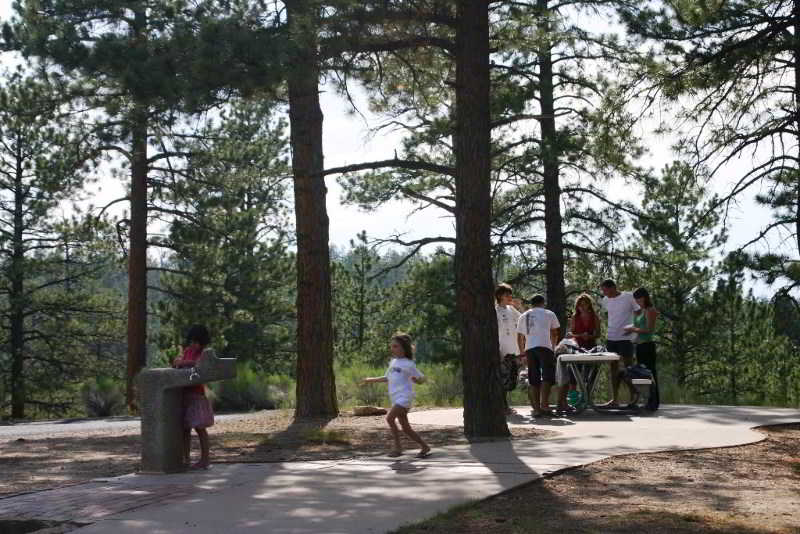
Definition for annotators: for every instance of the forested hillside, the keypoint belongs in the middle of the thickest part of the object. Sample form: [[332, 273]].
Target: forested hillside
[[522, 123]]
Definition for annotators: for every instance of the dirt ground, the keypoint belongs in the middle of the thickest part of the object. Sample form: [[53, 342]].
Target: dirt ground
[[266, 436], [750, 489]]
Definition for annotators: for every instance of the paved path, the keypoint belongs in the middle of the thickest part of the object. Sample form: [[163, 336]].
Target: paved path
[[79, 427], [377, 494]]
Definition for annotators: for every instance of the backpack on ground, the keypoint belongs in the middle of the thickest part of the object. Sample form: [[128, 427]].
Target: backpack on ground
[[509, 369], [640, 371]]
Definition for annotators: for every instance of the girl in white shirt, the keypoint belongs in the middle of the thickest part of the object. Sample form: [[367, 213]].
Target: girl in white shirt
[[400, 374]]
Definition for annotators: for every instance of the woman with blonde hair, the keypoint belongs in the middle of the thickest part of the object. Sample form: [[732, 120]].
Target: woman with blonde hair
[[584, 327], [584, 324]]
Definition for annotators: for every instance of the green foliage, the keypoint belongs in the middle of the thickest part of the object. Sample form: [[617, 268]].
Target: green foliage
[[60, 324], [594, 138], [736, 64], [103, 396], [428, 299], [349, 390], [444, 386], [748, 361], [374, 298], [359, 304], [680, 230], [219, 183], [253, 390], [231, 268]]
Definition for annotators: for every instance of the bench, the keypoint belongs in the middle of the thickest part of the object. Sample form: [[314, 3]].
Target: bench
[[161, 405], [642, 385]]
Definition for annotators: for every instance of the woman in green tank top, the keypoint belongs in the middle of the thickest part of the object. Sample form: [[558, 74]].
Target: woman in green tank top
[[643, 334], [644, 325]]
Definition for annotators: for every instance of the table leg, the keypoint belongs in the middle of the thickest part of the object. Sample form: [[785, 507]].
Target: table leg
[[587, 381], [580, 379]]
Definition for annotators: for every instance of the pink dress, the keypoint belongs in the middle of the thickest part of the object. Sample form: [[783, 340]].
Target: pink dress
[[197, 412]]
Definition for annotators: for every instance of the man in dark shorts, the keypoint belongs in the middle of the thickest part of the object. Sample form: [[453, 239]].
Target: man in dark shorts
[[620, 307], [541, 329]]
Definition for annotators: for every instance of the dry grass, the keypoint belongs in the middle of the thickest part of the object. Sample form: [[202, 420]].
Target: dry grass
[[268, 436], [751, 489]]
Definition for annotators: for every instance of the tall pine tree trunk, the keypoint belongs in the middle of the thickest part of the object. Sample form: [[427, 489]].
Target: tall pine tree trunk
[[483, 405], [554, 249], [796, 58], [137, 255], [316, 387], [679, 345], [137, 250], [16, 300]]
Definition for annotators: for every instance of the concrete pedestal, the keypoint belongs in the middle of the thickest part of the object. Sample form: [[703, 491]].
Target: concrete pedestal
[[161, 405]]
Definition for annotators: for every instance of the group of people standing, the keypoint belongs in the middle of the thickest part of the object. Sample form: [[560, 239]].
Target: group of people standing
[[528, 336], [531, 336]]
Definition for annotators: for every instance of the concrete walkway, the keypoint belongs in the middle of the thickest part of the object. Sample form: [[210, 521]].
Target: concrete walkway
[[84, 427], [378, 494]]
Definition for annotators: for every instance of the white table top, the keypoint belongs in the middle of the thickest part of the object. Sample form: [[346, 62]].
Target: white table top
[[590, 358]]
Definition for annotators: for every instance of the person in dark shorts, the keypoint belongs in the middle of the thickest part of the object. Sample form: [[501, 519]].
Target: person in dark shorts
[[620, 307], [541, 329]]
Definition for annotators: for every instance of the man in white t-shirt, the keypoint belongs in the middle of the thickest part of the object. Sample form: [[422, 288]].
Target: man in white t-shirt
[[512, 344], [541, 329], [620, 307]]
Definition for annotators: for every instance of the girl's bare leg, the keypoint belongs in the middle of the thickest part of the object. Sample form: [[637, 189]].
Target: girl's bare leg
[[205, 455], [390, 419], [187, 445], [424, 448]]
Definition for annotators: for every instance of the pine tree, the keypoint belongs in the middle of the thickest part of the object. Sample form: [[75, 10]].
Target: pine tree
[[45, 258], [739, 64], [358, 300], [117, 50], [138, 65], [229, 266], [316, 386], [679, 230]]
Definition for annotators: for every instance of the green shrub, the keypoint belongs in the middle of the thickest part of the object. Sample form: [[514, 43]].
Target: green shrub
[[251, 390], [444, 385], [350, 393], [283, 389], [519, 396], [103, 397], [163, 358]]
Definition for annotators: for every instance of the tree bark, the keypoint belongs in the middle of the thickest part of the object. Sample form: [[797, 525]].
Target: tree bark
[[17, 298], [483, 404], [137, 250], [796, 64], [554, 250], [679, 345], [316, 387]]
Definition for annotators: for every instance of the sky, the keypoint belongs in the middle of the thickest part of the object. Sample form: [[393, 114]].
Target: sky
[[347, 139]]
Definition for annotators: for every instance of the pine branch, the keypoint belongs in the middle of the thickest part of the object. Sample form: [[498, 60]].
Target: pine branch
[[391, 163]]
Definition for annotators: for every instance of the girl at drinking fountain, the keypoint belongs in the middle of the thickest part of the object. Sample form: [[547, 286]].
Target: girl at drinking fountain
[[197, 412]]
